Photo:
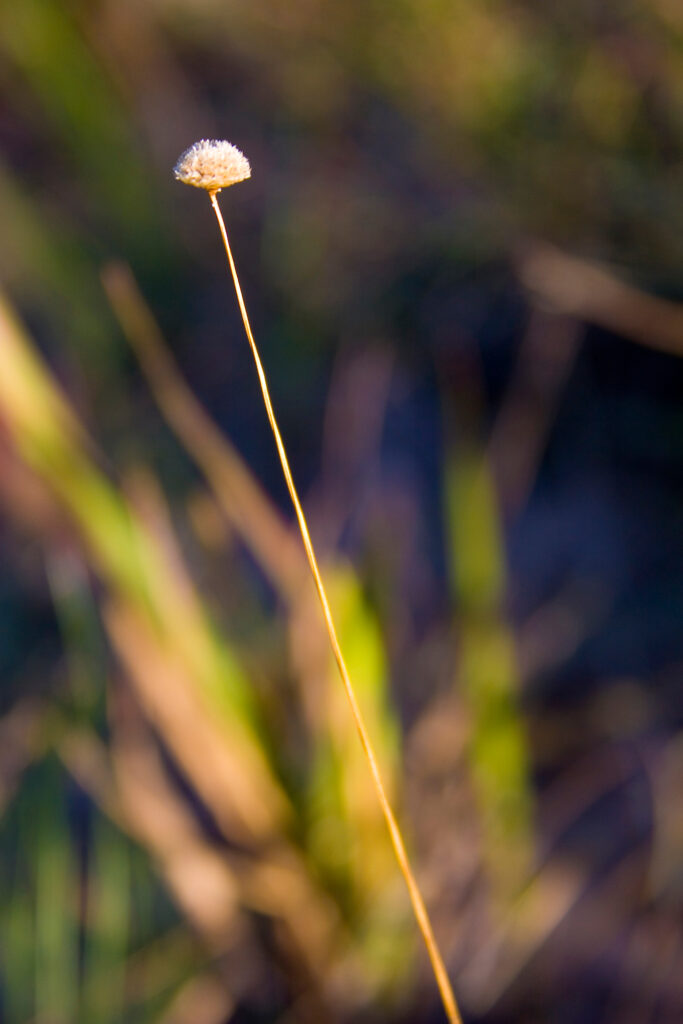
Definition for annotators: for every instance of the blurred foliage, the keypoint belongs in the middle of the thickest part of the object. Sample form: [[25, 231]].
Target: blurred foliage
[[189, 833], [488, 675]]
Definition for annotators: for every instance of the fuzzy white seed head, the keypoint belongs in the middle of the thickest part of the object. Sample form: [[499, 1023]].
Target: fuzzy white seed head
[[212, 164]]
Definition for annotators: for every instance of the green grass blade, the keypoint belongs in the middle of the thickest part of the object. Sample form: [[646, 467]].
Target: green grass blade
[[106, 939], [487, 669], [56, 934]]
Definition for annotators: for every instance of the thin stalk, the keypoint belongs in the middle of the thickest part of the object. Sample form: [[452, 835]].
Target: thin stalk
[[416, 899]]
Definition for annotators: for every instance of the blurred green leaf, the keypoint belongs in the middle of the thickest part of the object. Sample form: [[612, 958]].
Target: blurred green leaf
[[487, 670], [56, 906], [106, 939]]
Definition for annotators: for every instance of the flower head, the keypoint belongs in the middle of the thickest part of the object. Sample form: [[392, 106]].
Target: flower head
[[212, 164]]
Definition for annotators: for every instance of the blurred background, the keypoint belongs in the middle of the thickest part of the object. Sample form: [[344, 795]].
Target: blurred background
[[461, 250]]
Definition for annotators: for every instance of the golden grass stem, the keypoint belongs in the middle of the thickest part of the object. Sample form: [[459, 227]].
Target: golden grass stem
[[416, 899]]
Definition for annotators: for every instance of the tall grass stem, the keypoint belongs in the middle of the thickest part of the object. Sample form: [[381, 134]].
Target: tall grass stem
[[416, 899]]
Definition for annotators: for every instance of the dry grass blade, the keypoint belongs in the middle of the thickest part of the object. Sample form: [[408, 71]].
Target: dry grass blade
[[417, 901], [520, 432], [247, 508], [225, 773], [592, 292]]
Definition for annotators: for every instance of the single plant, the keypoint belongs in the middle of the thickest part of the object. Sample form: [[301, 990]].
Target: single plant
[[214, 165]]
